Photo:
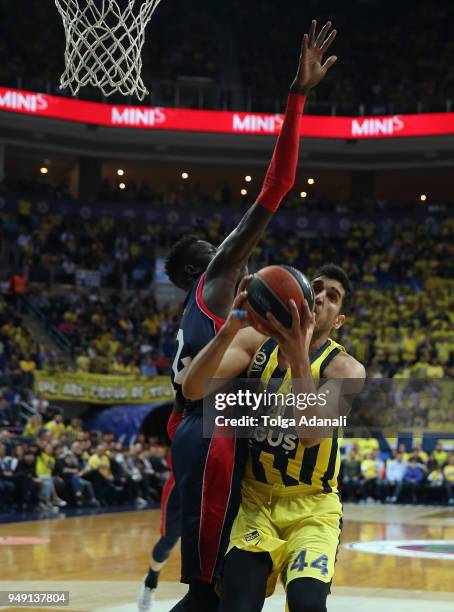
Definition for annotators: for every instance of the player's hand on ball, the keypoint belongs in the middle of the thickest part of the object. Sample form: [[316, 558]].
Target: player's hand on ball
[[311, 70], [294, 341], [238, 316]]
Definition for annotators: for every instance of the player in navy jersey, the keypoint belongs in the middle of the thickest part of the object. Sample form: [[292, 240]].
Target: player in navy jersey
[[207, 470]]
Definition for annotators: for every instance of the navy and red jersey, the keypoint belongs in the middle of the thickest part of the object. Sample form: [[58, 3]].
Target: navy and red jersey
[[197, 328], [207, 470]]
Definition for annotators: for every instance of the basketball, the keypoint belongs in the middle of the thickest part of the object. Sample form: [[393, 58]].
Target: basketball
[[271, 289]]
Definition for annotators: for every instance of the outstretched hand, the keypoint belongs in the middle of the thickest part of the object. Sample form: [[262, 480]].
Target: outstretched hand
[[311, 70]]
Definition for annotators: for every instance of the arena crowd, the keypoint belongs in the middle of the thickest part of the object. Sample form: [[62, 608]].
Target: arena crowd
[[249, 68], [48, 465], [400, 325]]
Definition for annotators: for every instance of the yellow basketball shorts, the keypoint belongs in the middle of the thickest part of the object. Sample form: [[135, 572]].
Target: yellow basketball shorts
[[300, 531]]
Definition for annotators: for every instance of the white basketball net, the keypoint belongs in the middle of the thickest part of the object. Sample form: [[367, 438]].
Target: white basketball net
[[104, 44]]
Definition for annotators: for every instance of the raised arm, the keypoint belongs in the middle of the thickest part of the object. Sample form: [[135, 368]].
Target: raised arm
[[232, 256]]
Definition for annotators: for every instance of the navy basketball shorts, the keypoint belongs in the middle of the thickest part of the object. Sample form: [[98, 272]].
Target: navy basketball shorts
[[208, 474]]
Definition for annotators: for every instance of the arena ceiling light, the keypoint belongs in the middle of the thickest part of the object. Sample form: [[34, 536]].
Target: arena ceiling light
[[303, 194], [122, 186], [44, 170], [244, 192], [120, 172], [423, 197], [310, 181], [184, 175], [248, 178]]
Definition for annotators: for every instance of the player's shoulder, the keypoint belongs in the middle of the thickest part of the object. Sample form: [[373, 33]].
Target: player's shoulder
[[345, 365]]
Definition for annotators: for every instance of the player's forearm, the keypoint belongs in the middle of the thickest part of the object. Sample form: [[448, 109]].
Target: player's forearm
[[281, 174], [303, 385], [236, 249], [205, 366], [302, 381]]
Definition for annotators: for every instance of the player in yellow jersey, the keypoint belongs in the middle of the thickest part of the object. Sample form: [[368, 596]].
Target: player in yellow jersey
[[290, 516]]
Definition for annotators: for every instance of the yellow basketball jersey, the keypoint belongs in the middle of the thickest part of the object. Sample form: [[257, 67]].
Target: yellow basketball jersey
[[278, 457]]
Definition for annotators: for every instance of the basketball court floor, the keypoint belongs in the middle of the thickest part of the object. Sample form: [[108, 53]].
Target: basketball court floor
[[392, 559]]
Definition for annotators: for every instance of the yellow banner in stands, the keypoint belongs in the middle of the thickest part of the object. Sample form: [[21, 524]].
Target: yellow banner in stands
[[434, 282], [103, 388]]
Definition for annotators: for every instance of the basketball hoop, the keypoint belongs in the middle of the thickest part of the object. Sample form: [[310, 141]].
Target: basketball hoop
[[104, 40]]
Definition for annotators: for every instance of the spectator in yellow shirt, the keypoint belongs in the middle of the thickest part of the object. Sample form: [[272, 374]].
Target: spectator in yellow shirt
[[83, 363], [27, 364], [56, 426], [46, 462], [45, 465], [440, 455], [418, 455], [366, 446], [435, 369], [33, 426], [101, 462], [98, 472], [369, 473]]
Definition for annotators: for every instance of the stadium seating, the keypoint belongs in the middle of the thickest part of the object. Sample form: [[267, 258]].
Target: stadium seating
[[217, 41]]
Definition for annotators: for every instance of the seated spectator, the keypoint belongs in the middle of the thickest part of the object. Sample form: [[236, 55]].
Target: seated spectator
[[419, 455], [8, 465], [366, 446], [45, 466], [434, 484], [56, 426], [432, 463], [155, 457], [73, 429], [18, 454], [7, 491], [369, 471], [28, 366], [151, 485], [30, 484], [82, 360], [63, 443], [100, 461], [395, 472], [99, 473], [440, 455], [33, 426], [128, 476], [43, 438], [352, 477], [413, 479], [448, 473], [148, 367], [79, 488]]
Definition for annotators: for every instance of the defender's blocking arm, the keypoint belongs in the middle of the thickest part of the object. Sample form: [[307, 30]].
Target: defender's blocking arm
[[233, 254]]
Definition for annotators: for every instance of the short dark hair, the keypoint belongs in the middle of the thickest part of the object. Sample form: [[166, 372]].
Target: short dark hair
[[177, 259], [331, 270]]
